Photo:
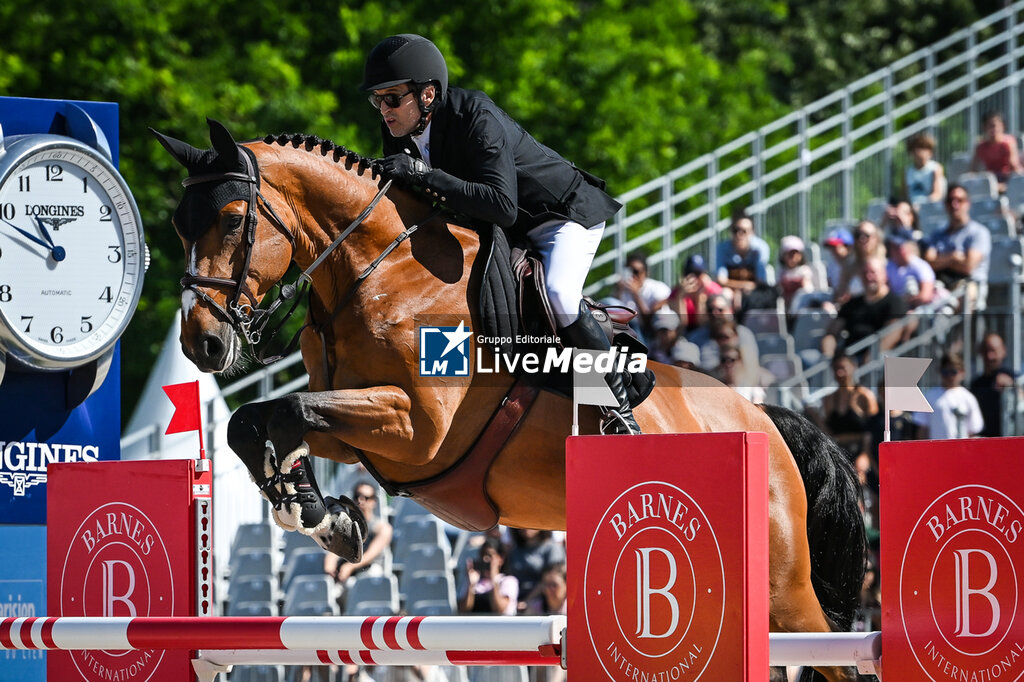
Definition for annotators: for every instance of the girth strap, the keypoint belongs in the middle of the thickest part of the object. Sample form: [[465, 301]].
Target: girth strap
[[459, 493]]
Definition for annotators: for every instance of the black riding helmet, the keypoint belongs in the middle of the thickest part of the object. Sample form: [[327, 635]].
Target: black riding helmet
[[407, 58]]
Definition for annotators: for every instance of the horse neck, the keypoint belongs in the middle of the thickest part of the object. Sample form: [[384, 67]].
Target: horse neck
[[323, 197]]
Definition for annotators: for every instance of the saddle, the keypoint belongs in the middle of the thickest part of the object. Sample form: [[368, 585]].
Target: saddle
[[515, 309]]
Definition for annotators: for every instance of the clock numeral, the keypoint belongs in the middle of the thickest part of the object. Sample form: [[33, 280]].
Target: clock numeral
[[86, 324], [24, 183], [85, 184], [5, 293], [105, 212], [56, 334], [28, 325], [114, 257], [105, 296], [8, 211], [54, 172]]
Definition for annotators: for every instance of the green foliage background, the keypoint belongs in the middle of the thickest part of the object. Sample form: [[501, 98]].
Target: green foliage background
[[628, 90]]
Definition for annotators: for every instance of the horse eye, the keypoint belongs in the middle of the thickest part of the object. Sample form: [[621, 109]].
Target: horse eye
[[231, 221]]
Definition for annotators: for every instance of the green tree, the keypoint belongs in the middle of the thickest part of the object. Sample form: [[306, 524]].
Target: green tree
[[628, 90]]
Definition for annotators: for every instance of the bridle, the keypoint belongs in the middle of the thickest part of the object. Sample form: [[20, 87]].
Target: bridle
[[248, 319]]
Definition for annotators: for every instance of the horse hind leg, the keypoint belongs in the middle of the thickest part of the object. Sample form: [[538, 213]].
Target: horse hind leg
[[256, 432]]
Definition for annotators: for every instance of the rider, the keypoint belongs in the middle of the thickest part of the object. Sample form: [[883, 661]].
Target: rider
[[467, 154]]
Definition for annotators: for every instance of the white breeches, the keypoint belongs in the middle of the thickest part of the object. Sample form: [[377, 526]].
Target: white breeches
[[567, 249]]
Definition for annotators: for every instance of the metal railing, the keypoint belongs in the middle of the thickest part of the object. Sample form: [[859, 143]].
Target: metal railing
[[825, 161]]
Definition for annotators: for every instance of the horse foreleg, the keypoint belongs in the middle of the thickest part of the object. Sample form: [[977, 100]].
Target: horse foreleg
[[269, 439]]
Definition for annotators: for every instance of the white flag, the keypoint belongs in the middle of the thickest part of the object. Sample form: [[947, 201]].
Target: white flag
[[590, 388], [901, 390]]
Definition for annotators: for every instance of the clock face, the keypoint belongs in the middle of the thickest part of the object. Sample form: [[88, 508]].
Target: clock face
[[71, 253]]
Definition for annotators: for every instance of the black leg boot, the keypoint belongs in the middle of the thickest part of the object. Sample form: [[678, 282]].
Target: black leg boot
[[586, 333]]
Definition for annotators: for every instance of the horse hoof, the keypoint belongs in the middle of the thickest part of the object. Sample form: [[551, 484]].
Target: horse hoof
[[342, 530]]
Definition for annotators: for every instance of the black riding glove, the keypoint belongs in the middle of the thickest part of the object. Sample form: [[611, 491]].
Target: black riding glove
[[404, 168]]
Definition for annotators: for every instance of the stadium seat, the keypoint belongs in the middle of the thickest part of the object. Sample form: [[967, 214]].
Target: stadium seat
[[252, 562], [311, 590], [765, 321], [252, 536], [1015, 194], [302, 562], [252, 608], [774, 344], [981, 185], [985, 209], [428, 588], [380, 590], [257, 673], [875, 211], [932, 216], [959, 164], [253, 588], [999, 225], [425, 557]]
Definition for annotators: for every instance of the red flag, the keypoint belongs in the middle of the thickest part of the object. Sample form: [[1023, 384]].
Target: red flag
[[186, 407]]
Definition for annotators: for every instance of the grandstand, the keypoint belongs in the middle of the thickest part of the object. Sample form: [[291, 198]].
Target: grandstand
[[832, 162]]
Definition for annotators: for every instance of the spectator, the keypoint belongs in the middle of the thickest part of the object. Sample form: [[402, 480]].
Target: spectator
[[838, 243], [552, 601], [690, 297], [867, 243], [643, 294], [910, 276], [551, 598], [864, 315], [996, 152], [900, 219], [686, 355], [956, 414], [665, 331], [720, 316], [742, 259], [988, 386], [488, 590], [961, 251], [733, 372], [924, 179], [378, 539], [847, 413], [795, 275], [531, 552]]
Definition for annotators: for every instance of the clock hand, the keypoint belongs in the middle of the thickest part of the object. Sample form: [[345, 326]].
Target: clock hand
[[27, 235], [57, 251], [46, 233]]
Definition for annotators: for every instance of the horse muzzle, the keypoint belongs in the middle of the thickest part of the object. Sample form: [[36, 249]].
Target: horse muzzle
[[213, 349]]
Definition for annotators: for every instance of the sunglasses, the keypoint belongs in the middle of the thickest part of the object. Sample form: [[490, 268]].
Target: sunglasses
[[863, 235], [741, 230], [366, 497], [392, 99]]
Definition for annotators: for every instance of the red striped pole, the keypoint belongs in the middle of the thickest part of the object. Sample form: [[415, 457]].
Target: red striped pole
[[378, 633]]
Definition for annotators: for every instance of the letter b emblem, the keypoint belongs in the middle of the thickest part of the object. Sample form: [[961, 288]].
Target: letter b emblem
[[647, 593]]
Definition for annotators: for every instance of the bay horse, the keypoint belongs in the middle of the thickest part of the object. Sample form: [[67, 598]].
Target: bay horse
[[251, 210]]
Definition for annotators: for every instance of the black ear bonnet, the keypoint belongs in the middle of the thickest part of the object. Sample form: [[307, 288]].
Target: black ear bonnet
[[202, 202]]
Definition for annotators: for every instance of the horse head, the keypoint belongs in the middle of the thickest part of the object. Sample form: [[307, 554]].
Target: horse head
[[236, 248]]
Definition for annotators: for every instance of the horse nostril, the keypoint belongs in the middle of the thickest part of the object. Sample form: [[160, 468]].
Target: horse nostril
[[213, 347]]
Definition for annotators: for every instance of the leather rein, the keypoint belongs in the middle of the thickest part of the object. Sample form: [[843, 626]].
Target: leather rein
[[247, 318]]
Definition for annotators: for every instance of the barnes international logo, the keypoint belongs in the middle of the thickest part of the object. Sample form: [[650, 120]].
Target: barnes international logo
[[445, 352]]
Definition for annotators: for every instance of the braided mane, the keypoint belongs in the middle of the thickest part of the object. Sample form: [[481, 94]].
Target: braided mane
[[338, 152]]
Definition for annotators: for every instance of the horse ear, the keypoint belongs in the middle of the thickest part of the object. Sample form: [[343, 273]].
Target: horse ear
[[223, 143], [183, 152]]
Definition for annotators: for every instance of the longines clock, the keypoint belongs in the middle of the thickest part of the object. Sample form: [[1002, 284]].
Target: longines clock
[[72, 254]]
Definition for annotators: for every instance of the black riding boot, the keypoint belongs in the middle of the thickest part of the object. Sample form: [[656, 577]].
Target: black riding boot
[[586, 333]]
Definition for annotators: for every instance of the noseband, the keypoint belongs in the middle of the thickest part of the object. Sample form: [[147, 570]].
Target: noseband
[[248, 319]]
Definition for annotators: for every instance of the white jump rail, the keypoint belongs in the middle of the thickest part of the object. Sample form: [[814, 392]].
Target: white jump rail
[[376, 640]]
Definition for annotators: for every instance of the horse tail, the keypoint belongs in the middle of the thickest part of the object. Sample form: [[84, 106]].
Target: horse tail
[[835, 526]]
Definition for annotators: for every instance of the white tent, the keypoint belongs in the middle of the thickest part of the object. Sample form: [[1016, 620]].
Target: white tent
[[235, 498]]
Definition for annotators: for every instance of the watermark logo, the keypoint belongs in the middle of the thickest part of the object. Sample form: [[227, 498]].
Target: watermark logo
[[654, 568], [962, 567], [444, 351]]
